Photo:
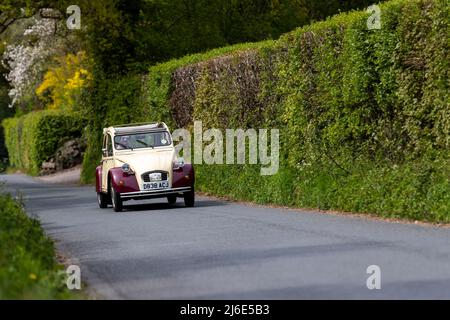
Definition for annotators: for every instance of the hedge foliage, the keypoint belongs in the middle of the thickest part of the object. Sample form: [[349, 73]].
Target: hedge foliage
[[121, 102], [35, 137], [364, 115], [28, 268]]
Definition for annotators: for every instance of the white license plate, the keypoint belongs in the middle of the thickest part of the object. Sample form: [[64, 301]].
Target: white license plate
[[155, 185]]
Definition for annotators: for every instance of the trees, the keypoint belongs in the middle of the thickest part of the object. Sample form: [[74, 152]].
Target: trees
[[25, 60], [13, 10], [5, 112], [132, 35]]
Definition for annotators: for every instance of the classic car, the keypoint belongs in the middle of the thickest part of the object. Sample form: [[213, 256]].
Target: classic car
[[139, 161]]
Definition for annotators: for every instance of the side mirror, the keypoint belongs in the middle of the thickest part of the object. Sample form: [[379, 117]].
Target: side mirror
[[105, 152]]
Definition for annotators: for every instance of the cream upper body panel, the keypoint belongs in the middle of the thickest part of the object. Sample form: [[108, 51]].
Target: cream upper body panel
[[145, 160]]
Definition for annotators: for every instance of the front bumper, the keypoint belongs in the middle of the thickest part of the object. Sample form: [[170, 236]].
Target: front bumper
[[153, 193]]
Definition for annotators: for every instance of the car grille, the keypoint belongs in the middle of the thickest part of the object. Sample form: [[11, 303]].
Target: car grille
[[146, 176]]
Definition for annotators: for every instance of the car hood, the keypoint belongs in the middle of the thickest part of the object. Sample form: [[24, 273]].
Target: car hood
[[151, 160]]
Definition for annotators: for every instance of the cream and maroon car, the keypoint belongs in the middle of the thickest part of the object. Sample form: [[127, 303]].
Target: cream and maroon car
[[140, 162]]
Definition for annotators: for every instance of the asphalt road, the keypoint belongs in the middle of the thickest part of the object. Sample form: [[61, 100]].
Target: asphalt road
[[222, 250]]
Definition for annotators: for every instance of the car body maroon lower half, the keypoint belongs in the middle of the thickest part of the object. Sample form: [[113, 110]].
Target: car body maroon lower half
[[124, 182]]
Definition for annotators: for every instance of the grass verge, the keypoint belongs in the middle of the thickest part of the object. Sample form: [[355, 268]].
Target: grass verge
[[28, 267]]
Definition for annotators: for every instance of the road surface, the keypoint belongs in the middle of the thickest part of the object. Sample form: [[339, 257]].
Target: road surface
[[223, 250]]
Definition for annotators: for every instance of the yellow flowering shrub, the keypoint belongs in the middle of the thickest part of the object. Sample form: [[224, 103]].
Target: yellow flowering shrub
[[62, 84]]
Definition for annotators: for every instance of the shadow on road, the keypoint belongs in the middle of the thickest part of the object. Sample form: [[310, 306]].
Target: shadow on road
[[165, 206]]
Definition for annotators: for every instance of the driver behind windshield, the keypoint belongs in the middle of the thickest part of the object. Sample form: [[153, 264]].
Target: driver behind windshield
[[123, 143], [139, 141]]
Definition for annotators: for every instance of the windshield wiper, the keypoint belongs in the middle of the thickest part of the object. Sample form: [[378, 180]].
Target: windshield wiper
[[142, 142], [124, 146]]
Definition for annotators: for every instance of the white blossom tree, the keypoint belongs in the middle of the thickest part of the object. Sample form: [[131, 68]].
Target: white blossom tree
[[27, 59]]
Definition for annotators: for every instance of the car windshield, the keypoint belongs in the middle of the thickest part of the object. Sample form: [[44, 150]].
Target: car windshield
[[142, 140]]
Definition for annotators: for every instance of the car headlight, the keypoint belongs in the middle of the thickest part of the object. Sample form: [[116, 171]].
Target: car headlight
[[127, 169], [178, 163]]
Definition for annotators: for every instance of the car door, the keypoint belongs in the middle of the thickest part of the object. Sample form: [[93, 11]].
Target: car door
[[107, 160]]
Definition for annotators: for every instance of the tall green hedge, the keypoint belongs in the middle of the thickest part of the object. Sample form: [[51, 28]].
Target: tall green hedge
[[35, 137], [363, 114]]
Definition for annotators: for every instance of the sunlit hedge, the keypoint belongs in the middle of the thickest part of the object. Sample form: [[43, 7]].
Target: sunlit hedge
[[364, 115], [35, 137]]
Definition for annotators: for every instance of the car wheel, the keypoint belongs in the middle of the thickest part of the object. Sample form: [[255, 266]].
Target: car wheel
[[172, 199], [102, 200], [116, 200], [189, 198]]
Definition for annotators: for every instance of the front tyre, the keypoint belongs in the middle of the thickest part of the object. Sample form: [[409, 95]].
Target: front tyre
[[102, 200], [189, 198], [116, 200], [172, 199]]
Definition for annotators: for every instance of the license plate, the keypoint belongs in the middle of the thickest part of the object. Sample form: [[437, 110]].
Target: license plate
[[155, 185], [156, 176]]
